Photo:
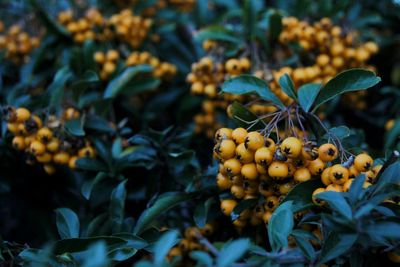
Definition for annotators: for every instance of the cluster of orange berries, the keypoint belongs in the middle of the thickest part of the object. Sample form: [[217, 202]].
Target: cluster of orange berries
[[339, 177], [333, 50], [17, 43], [92, 26], [44, 143], [190, 242], [123, 26], [205, 78], [162, 70], [107, 62], [252, 165]]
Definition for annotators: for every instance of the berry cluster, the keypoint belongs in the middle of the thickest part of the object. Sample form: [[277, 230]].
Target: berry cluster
[[190, 242], [339, 177], [46, 143], [17, 43], [107, 62], [92, 26], [162, 70]]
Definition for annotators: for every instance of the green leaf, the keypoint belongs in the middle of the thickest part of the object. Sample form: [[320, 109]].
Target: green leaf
[[217, 33], [116, 149], [305, 247], [392, 135], [287, 86], [250, 17], [75, 127], [80, 244], [337, 202], [275, 25], [56, 88], [67, 223], [88, 79], [241, 115], [242, 206], [246, 84], [91, 165], [163, 245], [280, 226], [202, 258], [201, 212], [88, 186], [346, 81], [386, 229], [96, 255], [336, 245], [307, 94], [300, 195], [117, 207], [117, 85], [232, 252], [163, 203], [340, 132]]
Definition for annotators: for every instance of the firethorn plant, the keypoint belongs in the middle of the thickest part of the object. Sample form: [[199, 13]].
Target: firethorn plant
[[199, 133]]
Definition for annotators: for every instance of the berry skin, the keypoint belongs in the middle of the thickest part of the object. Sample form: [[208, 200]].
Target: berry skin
[[315, 199], [363, 162], [18, 143], [309, 153], [285, 188], [265, 189], [291, 147], [334, 187], [245, 64], [232, 167], [72, 162], [226, 149], [261, 169], [44, 134], [244, 155], [223, 133], [12, 127], [223, 182], [316, 167], [338, 174], [325, 176], [236, 180], [347, 185], [237, 191], [278, 170], [271, 203], [393, 256], [270, 144], [353, 172], [22, 114], [267, 216], [249, 171], [44, 158], [263, 156], [227, 206], [49, 169], [232, 66], [327, 152], [99, 57], [37, 148], [53, 146], [61, 158], [253, 141], [302, 175], [86, 152], [238, 135]]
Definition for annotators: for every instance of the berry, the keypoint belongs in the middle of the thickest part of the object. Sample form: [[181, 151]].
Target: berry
[[263, 156], [302, 175], [363, 162], [316, 167], [44, 134], [232, 167], [249, 171], [278, 170], [239, 135], [18, 143], [338, 174], [22, 114], [227, 206], [244, 155], [327, 152], [223, 133], [253, 141], [315, 199], [291, 147], [37, 148]]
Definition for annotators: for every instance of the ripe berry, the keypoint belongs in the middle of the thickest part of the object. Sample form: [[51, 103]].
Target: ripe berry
[[291, 147], [316, 167], [223, 133], [44, 158], [232, 66], [49, 169], [22, 114], [338, 174], [327, 152], [226, 149], [263, 156], [243, 154], [334, 187], [278, 170], [347, 185], [249, 171], [237, 191], [363, 162], [253, 141], [238, 135], [315, 199], [271, 203], [61, 158], [72, 162], [86, 152], [302, 175], [223, 182], [227, 206], [44, 134], [232, 167], [37, 148], [270, 144], [325, 176], [18, 143]]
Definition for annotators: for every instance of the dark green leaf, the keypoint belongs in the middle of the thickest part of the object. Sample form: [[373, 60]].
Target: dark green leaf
[[244, 117], [88, 186], [163, 245], [163, 203], [280, 226], [307, 94], [242, 206], [202, 258], [346, 81], [301, 194], [56, 88], [287, 86], [75, 127], [118, 84], [246, 84], [217, 33], [232, 252], [337, 202], [305, 247], [67, 223], [275, 25], [336, 245], [117, 207], [80, 244], [201, 212]]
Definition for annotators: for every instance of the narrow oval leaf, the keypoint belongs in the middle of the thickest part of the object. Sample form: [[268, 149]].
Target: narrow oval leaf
[[307, 94], [287, 86], [247, 84], [346, 81], [163, 245], [217, 33], [232, 252], [280, 226], [117, 207], [67, 223], [118, 83], [300, 195], [161, 205], [337, 202], [245, 118], [335, 245]]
